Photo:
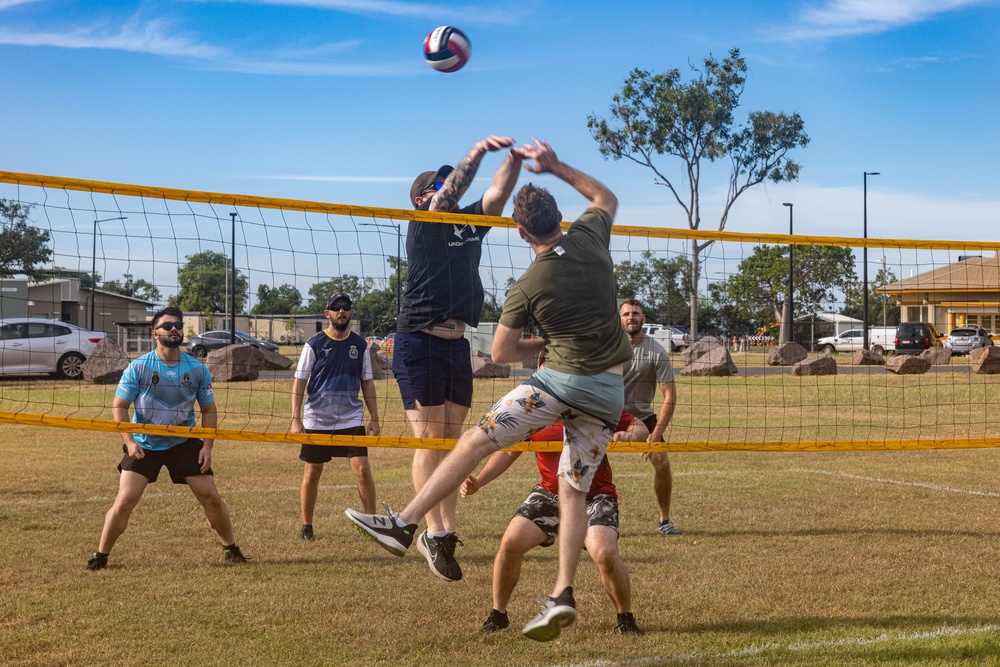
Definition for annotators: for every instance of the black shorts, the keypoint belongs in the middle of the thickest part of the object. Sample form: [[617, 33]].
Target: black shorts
[[541, 508], [324, 453], [181, 461], [650, 423], [432, 370]]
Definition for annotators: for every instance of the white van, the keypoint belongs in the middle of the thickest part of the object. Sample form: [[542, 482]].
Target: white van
[[881, 340]]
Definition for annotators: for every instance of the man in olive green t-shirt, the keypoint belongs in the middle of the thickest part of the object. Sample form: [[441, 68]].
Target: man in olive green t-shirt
[[569, 291]]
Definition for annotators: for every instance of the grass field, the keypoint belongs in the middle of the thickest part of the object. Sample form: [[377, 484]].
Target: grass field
[[785, 558]]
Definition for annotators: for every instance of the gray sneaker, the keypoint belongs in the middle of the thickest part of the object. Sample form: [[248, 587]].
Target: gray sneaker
[[668, 528], [556, 614], [440, 555], [383, 529]]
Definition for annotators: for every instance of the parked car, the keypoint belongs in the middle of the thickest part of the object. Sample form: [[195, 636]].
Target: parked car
[[34, 345], [966, 339], [202, 344], [880, 341], [915, 337], [670, 337]]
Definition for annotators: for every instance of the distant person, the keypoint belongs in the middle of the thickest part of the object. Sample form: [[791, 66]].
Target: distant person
[[334, 366], [536, 523], [651, 370], [581, 384], [432, 359], [164, 385]]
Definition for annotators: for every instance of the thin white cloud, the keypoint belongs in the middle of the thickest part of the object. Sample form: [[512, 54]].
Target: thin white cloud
[[846, 18], [152, 37], [7, 4], [463, 14]]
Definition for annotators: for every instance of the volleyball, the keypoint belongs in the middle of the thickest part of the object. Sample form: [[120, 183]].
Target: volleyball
[[447, 49]]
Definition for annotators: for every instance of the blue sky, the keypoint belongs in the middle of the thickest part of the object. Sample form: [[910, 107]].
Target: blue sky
[[330, 100]]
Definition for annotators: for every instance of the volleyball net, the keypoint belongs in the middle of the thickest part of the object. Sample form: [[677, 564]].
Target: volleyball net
[[114, 252]]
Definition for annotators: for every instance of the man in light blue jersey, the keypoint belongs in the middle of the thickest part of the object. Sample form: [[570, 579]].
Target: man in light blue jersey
[[334, 366], [163, 387]]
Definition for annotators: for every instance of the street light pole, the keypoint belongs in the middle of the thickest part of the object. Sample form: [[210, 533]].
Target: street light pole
[[789, 304], [399, 257], [93, 268], [232, 296], [864, 262]]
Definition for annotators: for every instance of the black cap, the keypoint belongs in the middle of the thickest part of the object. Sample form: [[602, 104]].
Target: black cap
[[426, 181], [338, 297]]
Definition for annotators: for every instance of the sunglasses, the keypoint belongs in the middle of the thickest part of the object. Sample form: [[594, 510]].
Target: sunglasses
[[170, 326], [337, 309]]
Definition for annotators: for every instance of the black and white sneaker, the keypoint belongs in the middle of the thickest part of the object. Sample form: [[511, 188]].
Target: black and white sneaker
[[497, 621], [306, 533], [440, 555], [557, 613], [383, 529], [627, 624], [98, 561]]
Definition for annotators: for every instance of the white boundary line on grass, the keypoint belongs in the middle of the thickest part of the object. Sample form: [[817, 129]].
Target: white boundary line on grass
[[882, 480], [798, 646]]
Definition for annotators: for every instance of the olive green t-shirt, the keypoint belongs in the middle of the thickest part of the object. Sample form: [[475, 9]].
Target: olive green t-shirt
[[569, 290]]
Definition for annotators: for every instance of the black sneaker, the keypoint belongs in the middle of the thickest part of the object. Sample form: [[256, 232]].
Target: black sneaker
[[440, 555], [556, 614], [233, 556], [306, 533], [98, 561], [627, 625], [496, 622], [383, 529]]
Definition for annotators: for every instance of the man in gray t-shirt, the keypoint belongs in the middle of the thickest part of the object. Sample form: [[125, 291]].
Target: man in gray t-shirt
[[650, 370]]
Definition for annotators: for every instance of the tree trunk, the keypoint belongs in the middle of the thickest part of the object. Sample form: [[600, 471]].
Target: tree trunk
[[693, 289]]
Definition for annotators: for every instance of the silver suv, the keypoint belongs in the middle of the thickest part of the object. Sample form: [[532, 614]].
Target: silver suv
[[34, 345]]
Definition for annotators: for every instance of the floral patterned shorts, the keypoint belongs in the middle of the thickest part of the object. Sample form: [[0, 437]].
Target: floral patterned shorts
[[526, 410]]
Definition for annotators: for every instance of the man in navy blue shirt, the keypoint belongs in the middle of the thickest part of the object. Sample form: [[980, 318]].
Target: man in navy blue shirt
[[444, 294], [333, 368]]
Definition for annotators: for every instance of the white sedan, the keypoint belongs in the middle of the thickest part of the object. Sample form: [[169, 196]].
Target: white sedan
[[33, 345]]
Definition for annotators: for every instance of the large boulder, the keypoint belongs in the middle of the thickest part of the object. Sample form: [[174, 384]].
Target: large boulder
[[787, 354], [234, 363], [867, 358], [483, 367], [938, 356], [906, 364], [703, 347], [985, 360], [106, 363], [381, 368], [273, 361], [821, 364], [716, 362]]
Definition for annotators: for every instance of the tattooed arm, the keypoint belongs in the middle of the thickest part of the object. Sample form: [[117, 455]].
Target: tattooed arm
[[459, 180]]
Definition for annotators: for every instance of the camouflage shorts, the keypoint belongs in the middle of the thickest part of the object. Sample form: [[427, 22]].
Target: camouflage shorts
[[541, 507]]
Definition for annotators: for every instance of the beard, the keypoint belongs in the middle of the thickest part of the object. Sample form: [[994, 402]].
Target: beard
[[340, 327], [171, 342]]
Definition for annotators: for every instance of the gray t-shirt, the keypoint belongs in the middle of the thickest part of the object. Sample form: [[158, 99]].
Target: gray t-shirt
[[649, 369]]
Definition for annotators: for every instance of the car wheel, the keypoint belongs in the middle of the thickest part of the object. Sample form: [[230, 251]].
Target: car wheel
[[70, 366], [828, 349], [878, 349], [199, 351]]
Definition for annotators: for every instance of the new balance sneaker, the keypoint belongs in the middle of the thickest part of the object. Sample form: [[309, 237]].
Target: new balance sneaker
[[627, 625], [383, 529], [306, 533], [440, 555], [668, 528], [556, 614], [497, 621], [233, 556], [98, 561]]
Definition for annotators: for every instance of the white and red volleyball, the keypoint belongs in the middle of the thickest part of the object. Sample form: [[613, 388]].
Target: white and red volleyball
[[447, 49]]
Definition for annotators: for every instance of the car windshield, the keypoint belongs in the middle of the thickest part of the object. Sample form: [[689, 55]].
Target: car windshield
[[963, 332]]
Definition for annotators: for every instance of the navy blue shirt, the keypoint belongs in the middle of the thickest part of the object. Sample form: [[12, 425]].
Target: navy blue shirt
[[442, 272]]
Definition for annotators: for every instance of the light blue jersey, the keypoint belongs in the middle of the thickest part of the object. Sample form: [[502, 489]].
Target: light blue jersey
[[165, 395]]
